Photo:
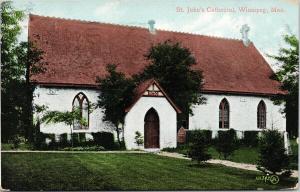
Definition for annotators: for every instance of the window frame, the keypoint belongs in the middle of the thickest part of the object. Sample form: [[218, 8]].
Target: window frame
[[80, 101], [261, 115], [222, 108]]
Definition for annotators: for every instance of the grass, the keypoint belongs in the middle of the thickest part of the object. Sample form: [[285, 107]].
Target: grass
[[10, 146], [243, 154], [53, 171]]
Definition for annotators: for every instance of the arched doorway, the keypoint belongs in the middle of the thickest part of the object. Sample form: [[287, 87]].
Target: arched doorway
[[151, 129]]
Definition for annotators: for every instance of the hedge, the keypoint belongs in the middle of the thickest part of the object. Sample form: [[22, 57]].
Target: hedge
[[64, 139], [226, 142], [105, 139], [192, 135], [250, 138]]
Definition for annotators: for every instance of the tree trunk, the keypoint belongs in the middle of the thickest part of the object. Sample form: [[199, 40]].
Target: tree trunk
[[118, 136], [29, 108], [71, 136]]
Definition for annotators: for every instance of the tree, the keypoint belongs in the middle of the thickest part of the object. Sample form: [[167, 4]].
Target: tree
[[67, 117], [288, 75], [272, 156], [116, 94], [171, 65], [18, 62], [199, 147], [226, 142]]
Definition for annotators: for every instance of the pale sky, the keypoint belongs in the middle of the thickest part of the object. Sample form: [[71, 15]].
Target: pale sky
[[266, 27]]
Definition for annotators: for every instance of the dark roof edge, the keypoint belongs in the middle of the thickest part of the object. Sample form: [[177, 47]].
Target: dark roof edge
[[239, 93], [70, 85]]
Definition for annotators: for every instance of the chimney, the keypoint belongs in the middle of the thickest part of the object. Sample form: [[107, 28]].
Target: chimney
[[151, 26], [244, 31]]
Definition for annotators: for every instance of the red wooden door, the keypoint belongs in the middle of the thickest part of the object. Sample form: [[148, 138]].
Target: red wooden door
[[151, 129]]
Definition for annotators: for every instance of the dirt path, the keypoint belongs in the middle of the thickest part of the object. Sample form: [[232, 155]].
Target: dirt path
[[245, 166]]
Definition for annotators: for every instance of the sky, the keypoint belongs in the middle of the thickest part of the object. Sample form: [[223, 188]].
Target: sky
[[268, 19]]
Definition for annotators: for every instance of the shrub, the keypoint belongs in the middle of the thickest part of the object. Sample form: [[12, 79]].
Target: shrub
[[191, 135], [75, 139], [49, 136], [82, 138], [139, 140], [226, 142], [199, 147], [117, 146], [64, 139], [17, 140], [250, 138], [105, 139], [272, 157], [39, 141]]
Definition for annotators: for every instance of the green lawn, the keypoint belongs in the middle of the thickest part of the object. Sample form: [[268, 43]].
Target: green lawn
[[241, 155], [10, 146], [54, 171], [244, 154]]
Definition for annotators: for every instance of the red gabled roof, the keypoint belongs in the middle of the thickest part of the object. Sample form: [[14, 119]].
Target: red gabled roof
[[78, 51], [142, 87]]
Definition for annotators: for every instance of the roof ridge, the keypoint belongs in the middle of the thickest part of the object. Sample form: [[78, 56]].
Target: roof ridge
[[139, 27], [89, 21], [198, 34]]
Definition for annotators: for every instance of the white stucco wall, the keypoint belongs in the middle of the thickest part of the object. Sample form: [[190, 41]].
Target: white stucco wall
[[61, 99], [134, 121], [243, 114]]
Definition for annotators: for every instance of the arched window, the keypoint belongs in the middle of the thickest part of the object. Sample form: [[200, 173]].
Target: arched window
[[261, 115], [224, 114], [81, 103]]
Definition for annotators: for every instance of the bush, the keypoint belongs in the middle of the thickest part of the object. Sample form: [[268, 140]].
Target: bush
[[104, 139], [75, 139], [117, 146], [64, 139], [226, 142], [191, 135], [82, 138], [17, 140], [199, 147], [40, 140], [49, 136], [272, 157], [139, 140], [250, 138]]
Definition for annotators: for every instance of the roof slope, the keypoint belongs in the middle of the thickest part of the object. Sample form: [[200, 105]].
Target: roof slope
[[77, 52]]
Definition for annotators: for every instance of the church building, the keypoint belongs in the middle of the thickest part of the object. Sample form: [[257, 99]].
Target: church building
[[237, 82]]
